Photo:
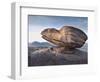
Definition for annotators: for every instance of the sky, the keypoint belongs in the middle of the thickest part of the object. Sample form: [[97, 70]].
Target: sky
[[37, 23]]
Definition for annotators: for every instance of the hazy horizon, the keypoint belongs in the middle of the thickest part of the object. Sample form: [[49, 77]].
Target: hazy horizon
[[37, 23]]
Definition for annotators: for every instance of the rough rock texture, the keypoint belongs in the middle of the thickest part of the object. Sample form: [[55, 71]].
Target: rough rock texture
[[49, 56], [67, 36], [67, 39]]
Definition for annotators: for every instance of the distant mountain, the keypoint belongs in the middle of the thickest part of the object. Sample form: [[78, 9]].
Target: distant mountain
[[39, 44]]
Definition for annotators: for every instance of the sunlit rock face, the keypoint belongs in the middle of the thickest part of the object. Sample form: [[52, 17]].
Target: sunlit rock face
[[68, 37]]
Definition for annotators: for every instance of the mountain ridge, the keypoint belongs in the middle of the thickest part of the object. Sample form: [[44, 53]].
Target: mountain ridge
[[40, 44]]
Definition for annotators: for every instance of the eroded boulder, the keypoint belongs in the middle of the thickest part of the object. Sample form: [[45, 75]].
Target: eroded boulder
[[68, 37]]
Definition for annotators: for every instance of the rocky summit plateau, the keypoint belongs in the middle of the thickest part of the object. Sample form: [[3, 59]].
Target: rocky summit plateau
[[68, 40]]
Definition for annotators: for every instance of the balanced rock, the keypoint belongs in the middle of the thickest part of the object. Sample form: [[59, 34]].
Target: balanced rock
[[68, 37]]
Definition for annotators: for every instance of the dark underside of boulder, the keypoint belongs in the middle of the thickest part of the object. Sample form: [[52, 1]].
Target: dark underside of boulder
[[45, 57]]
